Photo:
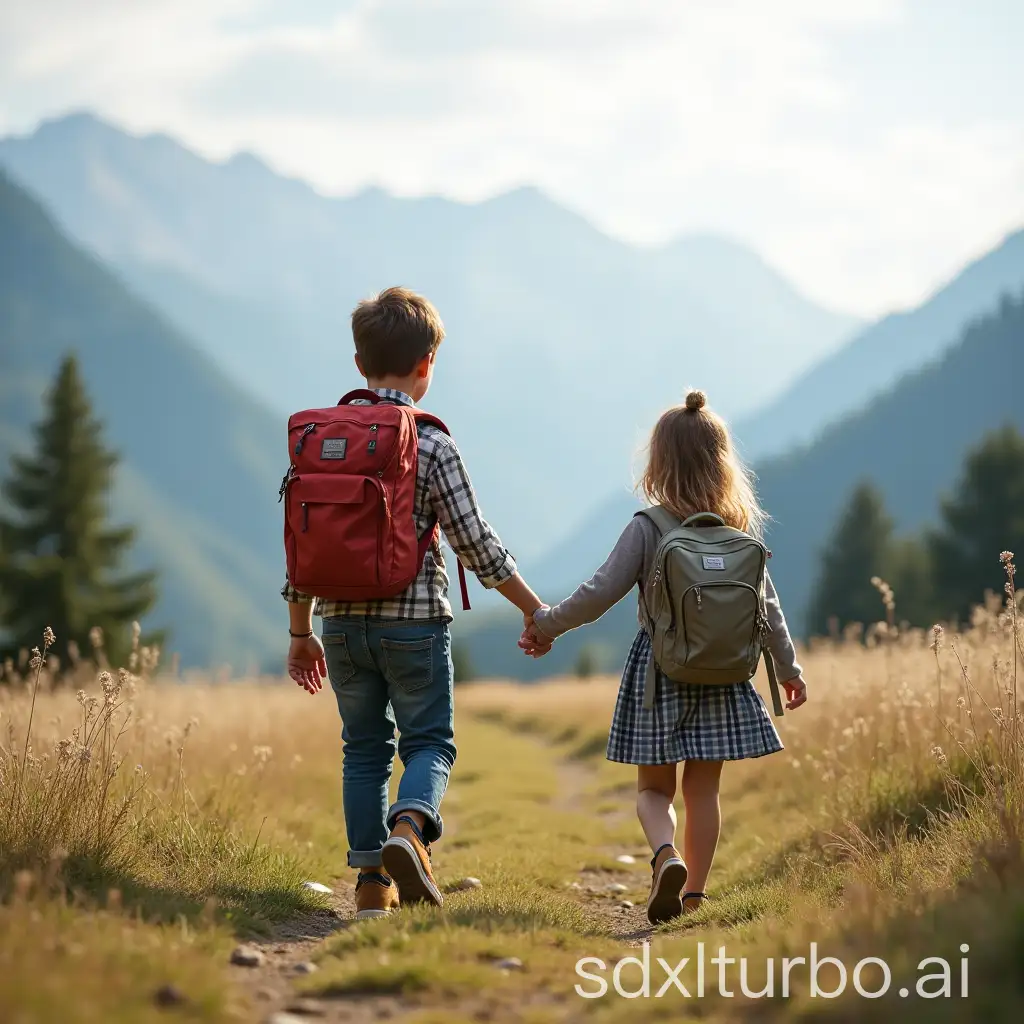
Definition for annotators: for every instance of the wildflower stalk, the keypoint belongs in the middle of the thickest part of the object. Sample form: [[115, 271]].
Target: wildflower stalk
[[48, 641], [1006, 557]]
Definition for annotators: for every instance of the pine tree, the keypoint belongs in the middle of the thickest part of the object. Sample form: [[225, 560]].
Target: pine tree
[[857, 550], [61, 559], [984, 516]]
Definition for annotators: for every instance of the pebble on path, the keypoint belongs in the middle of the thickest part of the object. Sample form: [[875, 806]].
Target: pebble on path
[[307, 1008], [247, 956], [626, 905], [469, 883], [305, 967], [169, 995], [284, 1018], [617, 887], [626, 858], [317, 887], [510, 963]]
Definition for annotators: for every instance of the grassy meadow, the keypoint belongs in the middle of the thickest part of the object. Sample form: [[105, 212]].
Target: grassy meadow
[[148, 827]]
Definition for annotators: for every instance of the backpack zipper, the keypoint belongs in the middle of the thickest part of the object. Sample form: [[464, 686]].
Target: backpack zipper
[[305, 517], [758, 616], [372, 446], [700, 607], [306, 431]]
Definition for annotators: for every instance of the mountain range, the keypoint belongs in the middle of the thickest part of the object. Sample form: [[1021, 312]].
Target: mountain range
[[876, 358], [563, 343], [201, 459], [910, 441], [206, 300]]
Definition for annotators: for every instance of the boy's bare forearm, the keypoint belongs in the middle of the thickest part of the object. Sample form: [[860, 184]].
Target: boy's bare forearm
[[517, 591], [300, 616]]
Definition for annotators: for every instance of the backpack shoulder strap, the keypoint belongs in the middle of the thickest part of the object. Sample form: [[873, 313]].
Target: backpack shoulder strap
[[661, 517], [422, 417], [361, 393], [425, 417]]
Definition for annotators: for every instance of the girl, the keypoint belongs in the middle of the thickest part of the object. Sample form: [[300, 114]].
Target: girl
[[691, 468]]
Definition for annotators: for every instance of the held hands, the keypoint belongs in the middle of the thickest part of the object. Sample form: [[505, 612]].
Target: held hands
[[306, 663], [532, 641], [796, 692]]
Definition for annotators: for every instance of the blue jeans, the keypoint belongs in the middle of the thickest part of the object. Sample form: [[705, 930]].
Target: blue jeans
[[386, 673]]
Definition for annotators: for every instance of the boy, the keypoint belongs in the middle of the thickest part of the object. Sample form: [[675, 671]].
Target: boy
[[389, 660]]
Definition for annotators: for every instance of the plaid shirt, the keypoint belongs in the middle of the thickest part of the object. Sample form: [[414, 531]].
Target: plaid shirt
[[444, 492]]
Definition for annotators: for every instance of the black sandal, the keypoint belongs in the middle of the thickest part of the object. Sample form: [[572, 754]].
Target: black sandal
[[702, 896]]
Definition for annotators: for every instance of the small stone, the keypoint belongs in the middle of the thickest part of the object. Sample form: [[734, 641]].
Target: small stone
[[469, 883], [247, 956], [317, 887], [280, 949], [284, 1018], [307, 1008], [575, 885], [305, 967], [626, 905], [510, 963], [617, 887], [626, 858], [169, 995]]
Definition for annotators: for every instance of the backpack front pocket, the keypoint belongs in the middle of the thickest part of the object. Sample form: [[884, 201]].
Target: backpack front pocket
[[719, 621], [335, 524]]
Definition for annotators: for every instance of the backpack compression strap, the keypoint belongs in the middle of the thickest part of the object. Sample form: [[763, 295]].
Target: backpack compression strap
[[773, 682]]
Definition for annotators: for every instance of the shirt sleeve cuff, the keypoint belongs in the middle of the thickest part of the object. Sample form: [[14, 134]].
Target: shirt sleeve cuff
[[502, 574], [545, 624], [293, 596]]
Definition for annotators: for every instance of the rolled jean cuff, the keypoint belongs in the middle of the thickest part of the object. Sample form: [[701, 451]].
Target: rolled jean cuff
[[432, 827], [364, 858]]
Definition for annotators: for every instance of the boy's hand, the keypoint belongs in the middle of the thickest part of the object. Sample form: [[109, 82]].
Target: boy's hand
[[306, 663], [796, 692], [532, 641]]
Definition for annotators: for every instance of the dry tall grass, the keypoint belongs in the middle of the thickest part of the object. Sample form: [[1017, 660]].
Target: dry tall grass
[[200, 808]]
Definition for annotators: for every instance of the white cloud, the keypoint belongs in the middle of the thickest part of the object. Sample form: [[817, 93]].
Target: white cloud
[[765, 121]]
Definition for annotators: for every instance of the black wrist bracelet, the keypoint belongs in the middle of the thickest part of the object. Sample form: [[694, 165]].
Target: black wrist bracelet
[[300, 636]]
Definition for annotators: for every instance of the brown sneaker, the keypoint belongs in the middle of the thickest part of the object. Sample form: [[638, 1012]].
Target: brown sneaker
[[376, 895], [406, 858], [668, 879]]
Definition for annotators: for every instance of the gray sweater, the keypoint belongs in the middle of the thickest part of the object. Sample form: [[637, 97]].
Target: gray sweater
[[629, 564]]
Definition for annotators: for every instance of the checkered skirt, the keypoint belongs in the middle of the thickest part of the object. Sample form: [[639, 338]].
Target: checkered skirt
[[689, 721]]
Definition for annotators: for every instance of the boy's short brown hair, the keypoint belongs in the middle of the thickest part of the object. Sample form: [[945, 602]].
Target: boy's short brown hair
[[393, 331]]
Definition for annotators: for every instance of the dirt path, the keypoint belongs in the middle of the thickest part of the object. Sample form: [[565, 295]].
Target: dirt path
[[597, 889], [287, 955]]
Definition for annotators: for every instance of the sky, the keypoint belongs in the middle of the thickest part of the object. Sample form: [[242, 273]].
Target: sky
[[866, 148]]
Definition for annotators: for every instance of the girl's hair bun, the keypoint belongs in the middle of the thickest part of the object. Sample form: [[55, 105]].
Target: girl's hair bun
[[696, 400]]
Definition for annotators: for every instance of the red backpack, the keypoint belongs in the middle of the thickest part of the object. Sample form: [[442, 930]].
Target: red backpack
[[349, 532]]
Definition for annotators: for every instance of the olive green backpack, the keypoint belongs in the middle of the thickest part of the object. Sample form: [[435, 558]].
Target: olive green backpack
[[704, 603]]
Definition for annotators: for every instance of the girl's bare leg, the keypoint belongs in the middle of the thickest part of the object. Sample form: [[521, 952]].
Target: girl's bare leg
[[703, 820], [656, 787]]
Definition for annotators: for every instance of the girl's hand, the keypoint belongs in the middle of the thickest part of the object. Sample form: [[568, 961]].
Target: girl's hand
[[532, 641], [796, 692]]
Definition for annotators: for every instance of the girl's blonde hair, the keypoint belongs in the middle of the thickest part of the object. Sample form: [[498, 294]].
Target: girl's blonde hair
[[692, 467]]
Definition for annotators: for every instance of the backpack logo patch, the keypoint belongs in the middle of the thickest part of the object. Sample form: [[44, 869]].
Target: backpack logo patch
[[716, 562], [333, 447]]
